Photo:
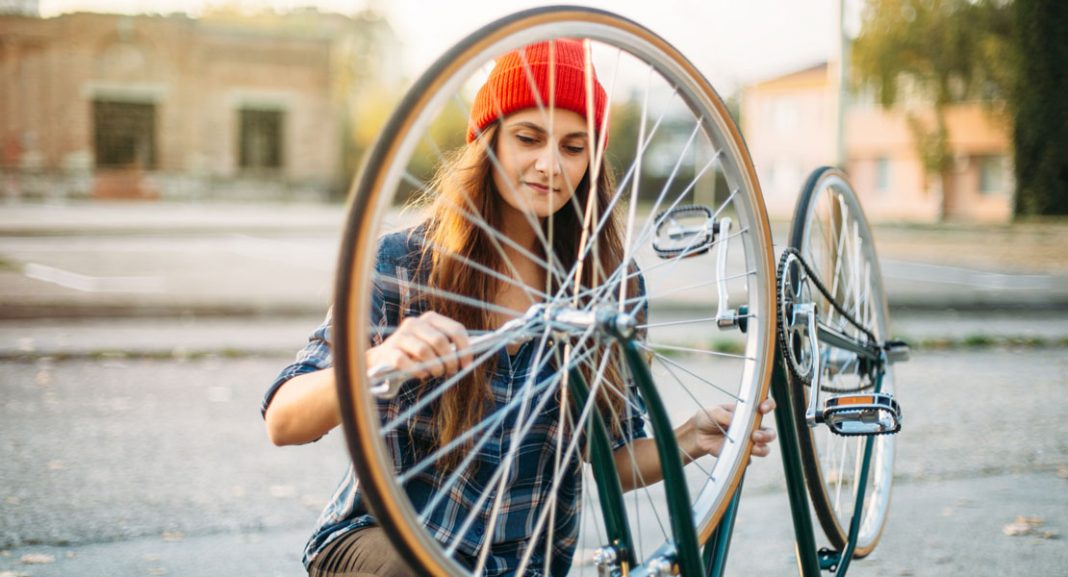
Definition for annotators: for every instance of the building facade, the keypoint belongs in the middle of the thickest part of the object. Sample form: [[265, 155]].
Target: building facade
[[790, 125], [104, 105]]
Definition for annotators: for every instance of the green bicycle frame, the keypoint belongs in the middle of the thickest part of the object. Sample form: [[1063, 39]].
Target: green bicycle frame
[[810, 560]]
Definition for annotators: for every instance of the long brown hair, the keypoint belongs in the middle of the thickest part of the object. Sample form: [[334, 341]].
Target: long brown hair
[[464, 184]]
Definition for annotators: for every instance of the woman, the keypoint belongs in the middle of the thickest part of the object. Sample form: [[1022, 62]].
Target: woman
[[526, 172]]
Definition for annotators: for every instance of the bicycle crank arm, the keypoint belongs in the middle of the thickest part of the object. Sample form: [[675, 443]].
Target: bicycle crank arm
[[829, 335]]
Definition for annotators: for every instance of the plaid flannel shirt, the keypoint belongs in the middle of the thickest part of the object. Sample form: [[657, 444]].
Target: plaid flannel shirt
[[530, 481]]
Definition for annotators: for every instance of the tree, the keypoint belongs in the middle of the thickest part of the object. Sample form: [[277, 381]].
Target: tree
[[939, 52], [1041, 108]]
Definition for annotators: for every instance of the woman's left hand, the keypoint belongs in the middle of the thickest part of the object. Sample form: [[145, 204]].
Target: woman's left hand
[[712, 423]]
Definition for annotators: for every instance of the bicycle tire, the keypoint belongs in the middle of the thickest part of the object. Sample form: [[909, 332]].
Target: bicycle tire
[[385, 173], [827, 196]]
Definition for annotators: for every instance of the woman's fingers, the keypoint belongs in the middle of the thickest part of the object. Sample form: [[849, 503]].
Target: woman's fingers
[[761, 438], [434, 346], [400, 361], [433, 342], [457, 335]]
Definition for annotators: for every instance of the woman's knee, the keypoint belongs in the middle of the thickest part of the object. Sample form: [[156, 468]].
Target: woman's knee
[[362, 553]]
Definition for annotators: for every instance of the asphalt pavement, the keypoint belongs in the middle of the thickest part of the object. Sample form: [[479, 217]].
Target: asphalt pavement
[[111, 260], [136, 341]]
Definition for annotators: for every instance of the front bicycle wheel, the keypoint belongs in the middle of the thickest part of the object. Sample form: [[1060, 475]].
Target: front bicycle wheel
[[834, 239], [679, 241]]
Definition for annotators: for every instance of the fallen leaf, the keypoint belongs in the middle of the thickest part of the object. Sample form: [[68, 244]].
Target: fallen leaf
[[1023, 525], [1049, 535], [1016, 529], [56, 465], [13, 574], [173, 535], [36, 559], [1062, 471], [157, 571]]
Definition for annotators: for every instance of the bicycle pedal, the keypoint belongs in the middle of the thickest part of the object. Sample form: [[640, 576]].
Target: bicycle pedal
[[685, 231], [862, 414]]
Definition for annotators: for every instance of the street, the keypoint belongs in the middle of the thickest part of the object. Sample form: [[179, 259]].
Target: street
[[137, 344], [142, 466]]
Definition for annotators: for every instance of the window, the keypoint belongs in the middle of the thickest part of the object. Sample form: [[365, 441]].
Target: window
[[261, 139], [882, 174], [991, 174], [785, 114], [124, 134]]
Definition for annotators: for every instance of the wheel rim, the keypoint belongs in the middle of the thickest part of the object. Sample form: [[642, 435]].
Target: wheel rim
[[833, 462], [746, 372]]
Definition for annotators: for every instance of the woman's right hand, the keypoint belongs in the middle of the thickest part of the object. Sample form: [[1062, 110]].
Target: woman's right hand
[[430, 345]]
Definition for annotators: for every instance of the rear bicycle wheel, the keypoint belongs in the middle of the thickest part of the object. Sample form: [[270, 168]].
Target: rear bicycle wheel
[[834, 239], [692, 248]]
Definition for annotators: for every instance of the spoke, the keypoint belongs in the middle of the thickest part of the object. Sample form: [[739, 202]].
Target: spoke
[[516, 441], [699, 404], [556, 269], [476, 508], [444, 386], [654, 346], [649, 297], [558, 476], [532, 294], [653, 222], [634, 189], [691, 250], [636, 473], [666, 360], [388, 280], [547, 386], [495, 236], [676, 323], [499, 416], [615, 198]]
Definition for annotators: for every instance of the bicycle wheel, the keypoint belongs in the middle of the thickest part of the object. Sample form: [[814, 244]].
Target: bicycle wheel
[[692, 253], [834, 239]]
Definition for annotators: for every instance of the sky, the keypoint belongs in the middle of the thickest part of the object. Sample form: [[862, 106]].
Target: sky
[[732, 42]]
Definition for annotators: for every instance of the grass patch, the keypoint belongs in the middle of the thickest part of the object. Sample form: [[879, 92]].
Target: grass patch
[[978, 341], [9, 264], [984, 341]]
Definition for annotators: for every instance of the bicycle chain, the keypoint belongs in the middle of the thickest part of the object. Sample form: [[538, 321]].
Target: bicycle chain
[[782, 300]]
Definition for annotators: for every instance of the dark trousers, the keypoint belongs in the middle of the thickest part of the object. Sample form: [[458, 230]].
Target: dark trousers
[[363, 553]]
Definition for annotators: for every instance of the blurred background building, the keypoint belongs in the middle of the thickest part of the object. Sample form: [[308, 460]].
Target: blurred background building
[[789, 123], [227, 106], [923, 103]]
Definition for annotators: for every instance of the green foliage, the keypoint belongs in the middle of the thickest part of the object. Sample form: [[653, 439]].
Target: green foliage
[[947, 50], [1041, 108], [935, 52]]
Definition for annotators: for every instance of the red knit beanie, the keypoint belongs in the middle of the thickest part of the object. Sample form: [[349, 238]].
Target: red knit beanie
[[510, 83]]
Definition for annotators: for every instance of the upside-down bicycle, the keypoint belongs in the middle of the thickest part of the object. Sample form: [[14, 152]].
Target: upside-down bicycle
[[718, 322]]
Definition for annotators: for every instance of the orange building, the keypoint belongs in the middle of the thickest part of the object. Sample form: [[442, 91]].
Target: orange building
[[105, 105], [790, 125]]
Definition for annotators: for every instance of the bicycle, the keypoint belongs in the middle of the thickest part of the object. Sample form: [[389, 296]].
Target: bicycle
[[706, 244]]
